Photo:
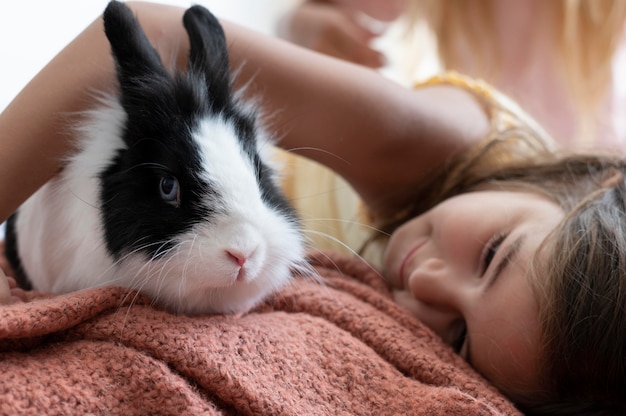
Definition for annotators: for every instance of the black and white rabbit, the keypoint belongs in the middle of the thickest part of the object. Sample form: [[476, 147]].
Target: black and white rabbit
[[170, 192]]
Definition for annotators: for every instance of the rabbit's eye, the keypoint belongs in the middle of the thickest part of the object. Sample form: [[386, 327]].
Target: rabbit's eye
[[170, 191]]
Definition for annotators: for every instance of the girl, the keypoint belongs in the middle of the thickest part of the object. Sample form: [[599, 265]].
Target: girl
[[512, 254]]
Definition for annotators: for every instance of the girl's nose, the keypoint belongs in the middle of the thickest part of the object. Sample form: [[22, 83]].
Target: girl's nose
[[432, 282], [438, 295]]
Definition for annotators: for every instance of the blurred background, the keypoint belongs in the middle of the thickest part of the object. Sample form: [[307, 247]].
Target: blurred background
[[34, 31]]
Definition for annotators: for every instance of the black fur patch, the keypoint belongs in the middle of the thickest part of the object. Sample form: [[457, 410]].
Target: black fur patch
[[12, 255], [158, 134]]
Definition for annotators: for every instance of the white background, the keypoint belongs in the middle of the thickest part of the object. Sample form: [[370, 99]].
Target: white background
[[33, 31]]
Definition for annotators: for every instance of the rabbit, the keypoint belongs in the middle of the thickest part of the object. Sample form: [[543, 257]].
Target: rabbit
[[171, 190]]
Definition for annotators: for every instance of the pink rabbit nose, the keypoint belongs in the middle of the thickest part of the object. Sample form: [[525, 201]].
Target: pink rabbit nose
[[237, 256]]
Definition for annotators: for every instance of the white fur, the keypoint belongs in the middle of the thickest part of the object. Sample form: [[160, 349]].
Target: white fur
[[62, 247]]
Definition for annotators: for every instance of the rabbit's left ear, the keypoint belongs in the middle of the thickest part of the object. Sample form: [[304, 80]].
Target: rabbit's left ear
[[135, 57], [208, 54]]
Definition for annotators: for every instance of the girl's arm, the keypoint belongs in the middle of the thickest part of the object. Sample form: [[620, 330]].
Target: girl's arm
[[375, 133], [34, 126]]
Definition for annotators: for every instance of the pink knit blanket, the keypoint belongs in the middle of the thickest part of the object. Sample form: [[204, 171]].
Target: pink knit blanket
[[337, 347]]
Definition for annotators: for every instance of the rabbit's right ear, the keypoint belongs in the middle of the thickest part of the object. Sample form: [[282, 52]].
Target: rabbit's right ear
[[135, 57], [208, 54]]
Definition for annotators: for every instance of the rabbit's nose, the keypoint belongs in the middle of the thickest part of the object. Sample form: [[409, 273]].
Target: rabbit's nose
[[237, 256]]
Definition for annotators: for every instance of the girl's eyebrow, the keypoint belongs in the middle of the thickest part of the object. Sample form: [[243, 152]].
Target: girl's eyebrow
[[510, 255]]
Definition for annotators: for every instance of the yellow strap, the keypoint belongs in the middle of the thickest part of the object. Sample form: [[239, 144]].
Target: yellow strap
[[503, 112]]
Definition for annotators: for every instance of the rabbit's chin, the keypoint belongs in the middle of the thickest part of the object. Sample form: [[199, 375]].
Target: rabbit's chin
[[198, 293]]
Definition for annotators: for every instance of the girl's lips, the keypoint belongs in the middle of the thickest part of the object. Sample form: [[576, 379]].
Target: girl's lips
[[404, 263]]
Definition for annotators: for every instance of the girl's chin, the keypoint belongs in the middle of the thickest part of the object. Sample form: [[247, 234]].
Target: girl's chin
[[406, 299]]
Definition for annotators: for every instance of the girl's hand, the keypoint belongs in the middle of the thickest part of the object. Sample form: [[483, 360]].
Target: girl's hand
[[332, 29], [9, 292], [5, 289]]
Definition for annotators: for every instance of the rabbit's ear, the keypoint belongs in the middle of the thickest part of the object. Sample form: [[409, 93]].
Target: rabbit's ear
[[208, 55], [135, 57]]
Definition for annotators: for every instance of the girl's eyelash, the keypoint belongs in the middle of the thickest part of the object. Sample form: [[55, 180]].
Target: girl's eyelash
[[490, 250]]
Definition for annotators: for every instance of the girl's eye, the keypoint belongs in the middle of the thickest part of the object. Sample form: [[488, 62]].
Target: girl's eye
[[490, 250], [170, 190], [459, 335]]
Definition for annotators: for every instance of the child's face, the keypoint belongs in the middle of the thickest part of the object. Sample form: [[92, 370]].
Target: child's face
[[464, 265]]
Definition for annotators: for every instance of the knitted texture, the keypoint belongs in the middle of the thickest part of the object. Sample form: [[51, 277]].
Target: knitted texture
[[337, 345]]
